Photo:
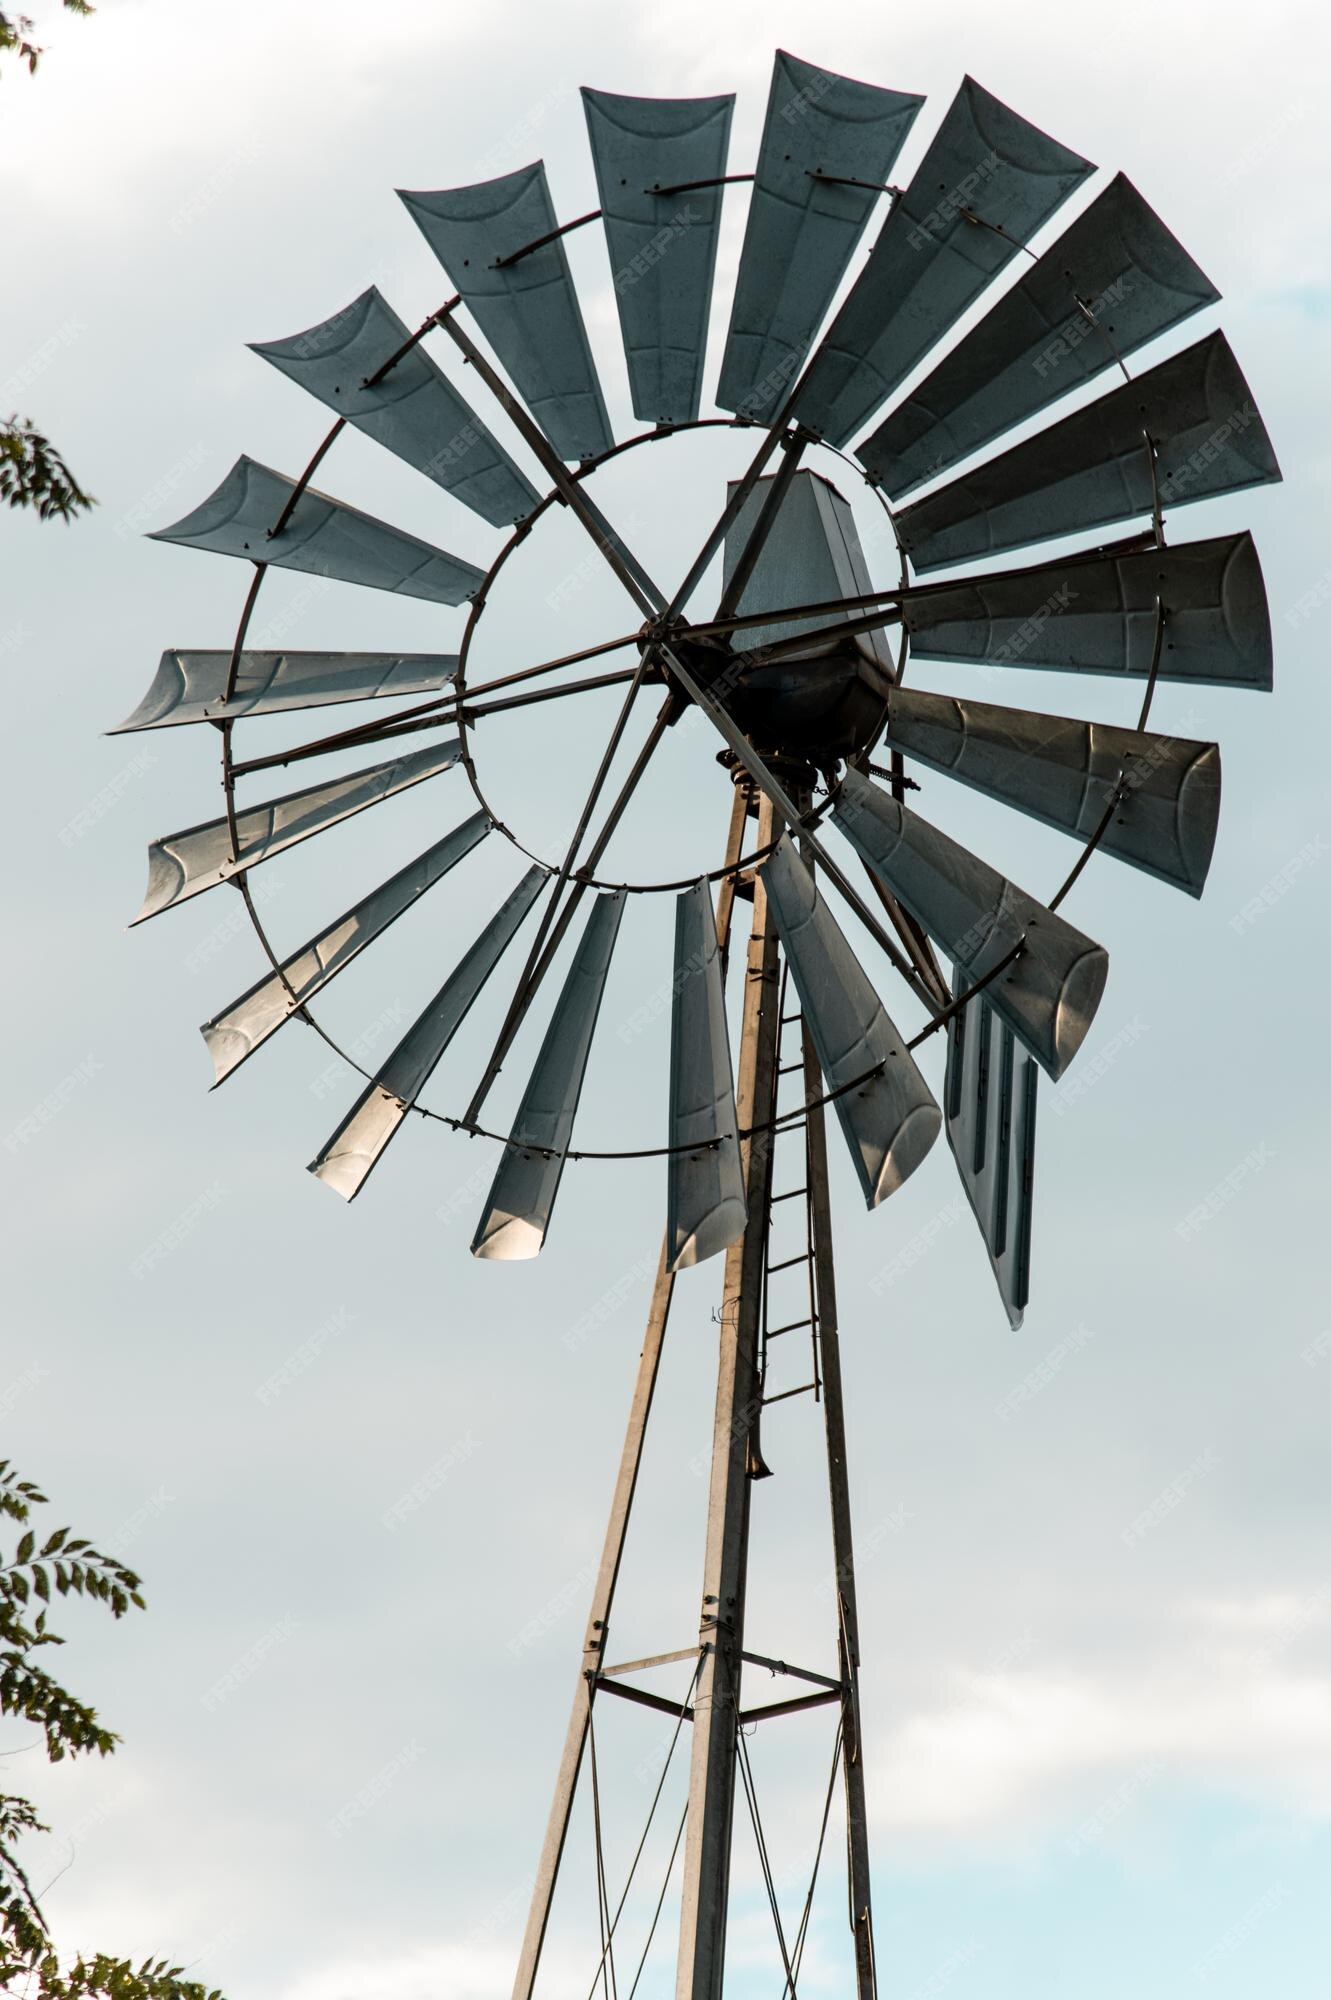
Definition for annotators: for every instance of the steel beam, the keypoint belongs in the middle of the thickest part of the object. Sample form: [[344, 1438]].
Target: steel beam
[[843, 1547], [701, 1963], [593, 1645]]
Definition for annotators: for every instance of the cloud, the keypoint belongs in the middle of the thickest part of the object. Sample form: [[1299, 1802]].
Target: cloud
[[1226, 1708]]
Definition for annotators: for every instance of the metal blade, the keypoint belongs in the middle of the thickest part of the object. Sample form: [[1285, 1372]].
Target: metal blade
[[323, 536], [242, 1027], [355, 1148], [706, 1208], [414, 411], [190, 686], [1065, 773], [1098, 616], [527, 309], [1134, 279], [822, 133], [181, 865], [989, 1100], [522, 1195], [891, 1120], [1049, 994], [935, 256], [662, 246], [1094, 467]]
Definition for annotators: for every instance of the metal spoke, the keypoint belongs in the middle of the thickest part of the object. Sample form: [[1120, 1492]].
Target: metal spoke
[[362, 732], [646, 594], [800, 643], [462, 710], [756, 540], [552, 929]]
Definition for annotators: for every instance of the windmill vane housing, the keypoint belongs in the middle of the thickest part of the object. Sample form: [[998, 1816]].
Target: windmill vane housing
[[840, 369]]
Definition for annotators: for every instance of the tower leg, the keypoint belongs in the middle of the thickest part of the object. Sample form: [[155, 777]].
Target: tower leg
[[593, 1645], [852, 1761], [701, 1960]]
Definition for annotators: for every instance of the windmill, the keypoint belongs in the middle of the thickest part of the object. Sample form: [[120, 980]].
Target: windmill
[[795, 673]]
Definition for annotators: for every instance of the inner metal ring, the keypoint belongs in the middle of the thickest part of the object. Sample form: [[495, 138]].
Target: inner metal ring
[[808, 821], [241, 880]]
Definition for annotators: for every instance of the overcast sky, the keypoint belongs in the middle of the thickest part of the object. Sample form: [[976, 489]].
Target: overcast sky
[[1099, 1760]]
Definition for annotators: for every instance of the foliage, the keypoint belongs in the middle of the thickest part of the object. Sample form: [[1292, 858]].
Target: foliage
[[33, 474], [69, 1566], [15, 30]]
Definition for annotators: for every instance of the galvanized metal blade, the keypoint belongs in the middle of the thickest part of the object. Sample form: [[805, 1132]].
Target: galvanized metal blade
[[413, 410], [705, 1207], [1066, 773], [1049, 993], [989, 1101], [1098, 615], [247, 1023], [1094, 467], [323, 536], [662, 244], [986, 184], [890, 1120], [181, 865], [527, 308], [822, 135], [356, 1147], [522, 1195], [191, 686], [1114, 280]]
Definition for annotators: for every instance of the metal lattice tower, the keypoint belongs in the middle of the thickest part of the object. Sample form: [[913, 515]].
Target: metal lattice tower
[[796, 671]]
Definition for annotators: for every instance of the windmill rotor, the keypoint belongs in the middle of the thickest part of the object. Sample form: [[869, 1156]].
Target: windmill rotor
[[1046, 419]]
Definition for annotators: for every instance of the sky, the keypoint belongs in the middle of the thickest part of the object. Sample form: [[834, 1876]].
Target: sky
[[365, 1476]]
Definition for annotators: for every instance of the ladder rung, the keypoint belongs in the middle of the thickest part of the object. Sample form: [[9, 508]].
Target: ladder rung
[[786, 1068], [803, 1390], [793, 1327], [787, 1018], [786, 1263], [789, 1195]]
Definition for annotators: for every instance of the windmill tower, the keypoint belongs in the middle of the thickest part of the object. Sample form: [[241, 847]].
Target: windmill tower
[[815, 730]]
